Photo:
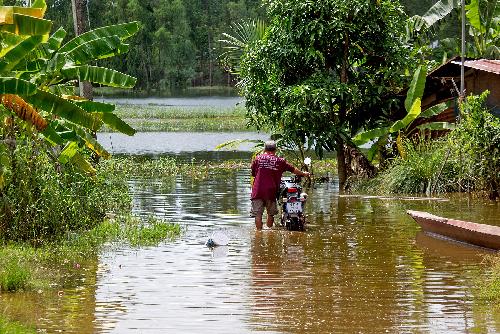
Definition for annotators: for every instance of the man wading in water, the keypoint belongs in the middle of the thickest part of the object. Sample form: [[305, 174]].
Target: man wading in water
[[267, 169]]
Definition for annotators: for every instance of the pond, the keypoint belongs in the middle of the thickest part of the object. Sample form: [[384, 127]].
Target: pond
[[362, 266]]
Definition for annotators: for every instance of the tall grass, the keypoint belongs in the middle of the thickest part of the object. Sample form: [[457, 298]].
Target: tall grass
[[488, 286], [13, 327]]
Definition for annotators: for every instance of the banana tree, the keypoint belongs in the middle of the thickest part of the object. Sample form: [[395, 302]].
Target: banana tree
[[38, 74], [413, 105], [483, 20]]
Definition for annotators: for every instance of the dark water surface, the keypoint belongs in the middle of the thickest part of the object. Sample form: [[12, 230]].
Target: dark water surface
[[363, 266]]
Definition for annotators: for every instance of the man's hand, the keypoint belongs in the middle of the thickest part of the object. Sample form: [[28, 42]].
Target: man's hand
[[306, 174]]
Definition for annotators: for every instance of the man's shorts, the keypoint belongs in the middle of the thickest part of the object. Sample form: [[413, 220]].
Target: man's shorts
[[258, 206]]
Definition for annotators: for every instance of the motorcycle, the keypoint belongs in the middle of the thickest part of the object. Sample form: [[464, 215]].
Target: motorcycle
[[292, 202]]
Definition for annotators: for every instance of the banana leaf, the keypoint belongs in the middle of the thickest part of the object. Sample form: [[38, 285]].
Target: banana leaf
[[92, 106], [122, 31], [439, 10], [15, 55], [474, 16], [365, 137], [71, 154], [68, 152], [54, 42], [79, 135], [101, 48], [56, 105], [100, 75], [434, 110], [52, 136], [28, 25], [410, 117], [79, 161], [417, 87], [41, 4], [117, 124], [7, 13], [16, 86]]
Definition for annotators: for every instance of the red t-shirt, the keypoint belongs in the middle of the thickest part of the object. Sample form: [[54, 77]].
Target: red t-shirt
[[267, 170]]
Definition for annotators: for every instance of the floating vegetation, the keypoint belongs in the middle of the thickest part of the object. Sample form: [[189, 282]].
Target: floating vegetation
[[151, 118]]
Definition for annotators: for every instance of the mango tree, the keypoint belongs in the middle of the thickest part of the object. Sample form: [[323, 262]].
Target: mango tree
[[38, 75], [324, 69]]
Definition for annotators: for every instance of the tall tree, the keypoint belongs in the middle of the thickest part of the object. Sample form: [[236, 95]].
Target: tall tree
[[79, 8], [323, 69]]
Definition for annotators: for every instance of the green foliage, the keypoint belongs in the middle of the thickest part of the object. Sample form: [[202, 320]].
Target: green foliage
[[468, 159], [488, 289], [425, 169], [40, 200], [322, 69], [476, 144], [14, 275], [12, 327]]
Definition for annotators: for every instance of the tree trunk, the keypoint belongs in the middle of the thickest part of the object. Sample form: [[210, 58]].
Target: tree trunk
[[79, 14], [341, 165], [341, 162]]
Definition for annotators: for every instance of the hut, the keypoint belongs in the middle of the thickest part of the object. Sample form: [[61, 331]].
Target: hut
[[443, 85]]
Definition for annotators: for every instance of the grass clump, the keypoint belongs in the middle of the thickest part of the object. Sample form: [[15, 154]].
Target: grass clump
[[13, 327], [488, 289], [14, 274]]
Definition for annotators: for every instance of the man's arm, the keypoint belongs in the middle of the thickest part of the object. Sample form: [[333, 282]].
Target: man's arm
[[297, 171], [254, 168]]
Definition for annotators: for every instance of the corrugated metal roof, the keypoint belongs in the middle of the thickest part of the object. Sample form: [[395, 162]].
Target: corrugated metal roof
[[492, 66]]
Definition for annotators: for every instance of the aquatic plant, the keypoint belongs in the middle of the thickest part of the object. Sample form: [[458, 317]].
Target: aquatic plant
[[151, 118], [14, 275], [13, 327], [488, 286]]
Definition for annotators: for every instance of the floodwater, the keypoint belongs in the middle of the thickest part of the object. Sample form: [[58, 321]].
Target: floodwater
[[362, 266], [154, 143], [204, 101]]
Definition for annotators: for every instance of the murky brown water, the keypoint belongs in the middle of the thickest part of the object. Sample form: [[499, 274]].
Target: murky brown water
[[363, 266]]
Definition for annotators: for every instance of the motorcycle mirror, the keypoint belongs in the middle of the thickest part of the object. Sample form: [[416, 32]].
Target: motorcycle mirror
[[307, 161]]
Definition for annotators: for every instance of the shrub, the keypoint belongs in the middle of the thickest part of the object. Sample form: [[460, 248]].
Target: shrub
[[13, 275], [476, 146], [43, 200]]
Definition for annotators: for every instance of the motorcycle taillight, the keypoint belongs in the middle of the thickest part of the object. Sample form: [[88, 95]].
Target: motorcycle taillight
[[292, 190]]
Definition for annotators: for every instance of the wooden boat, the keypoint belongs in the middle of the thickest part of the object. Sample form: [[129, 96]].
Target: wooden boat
[[477, 234]]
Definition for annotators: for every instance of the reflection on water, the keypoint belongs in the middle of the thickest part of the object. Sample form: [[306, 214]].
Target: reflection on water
[[363, 266]]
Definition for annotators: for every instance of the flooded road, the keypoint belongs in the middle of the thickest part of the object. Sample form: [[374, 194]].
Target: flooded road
[[362, 266]]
